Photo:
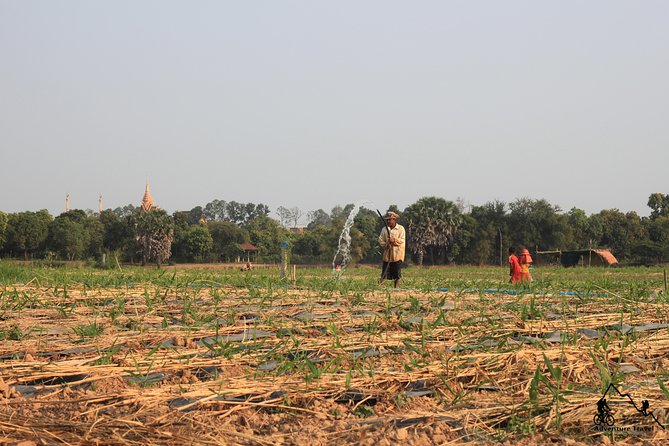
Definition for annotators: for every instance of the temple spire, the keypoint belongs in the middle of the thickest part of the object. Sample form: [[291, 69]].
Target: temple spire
[[67, 202], [100, 202], [147, 201]]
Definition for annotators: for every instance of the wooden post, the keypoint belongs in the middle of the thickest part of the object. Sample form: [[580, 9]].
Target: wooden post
[[665, 280], [501, 255], [284, 259], [590, 254], [294, 275]]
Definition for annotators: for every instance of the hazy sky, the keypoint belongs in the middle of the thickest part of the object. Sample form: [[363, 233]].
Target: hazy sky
[[313, 103]]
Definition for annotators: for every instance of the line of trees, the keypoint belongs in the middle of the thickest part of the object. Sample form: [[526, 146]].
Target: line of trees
[[438, 232]]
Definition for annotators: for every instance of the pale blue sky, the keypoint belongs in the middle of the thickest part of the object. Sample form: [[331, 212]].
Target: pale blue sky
[[314, 104]]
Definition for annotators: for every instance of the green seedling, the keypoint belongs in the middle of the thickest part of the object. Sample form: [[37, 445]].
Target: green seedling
[[14, 333], [107, 355], [92, 330], [142, 378], [553, 383]]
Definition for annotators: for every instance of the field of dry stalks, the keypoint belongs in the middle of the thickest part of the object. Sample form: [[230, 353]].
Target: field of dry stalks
[[209, 360]]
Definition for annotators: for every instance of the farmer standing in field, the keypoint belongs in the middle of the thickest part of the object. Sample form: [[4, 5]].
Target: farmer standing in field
[[514, 267], [392, 240], [525, 260]]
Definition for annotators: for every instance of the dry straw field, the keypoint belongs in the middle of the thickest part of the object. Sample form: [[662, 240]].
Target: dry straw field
[[207, 356]]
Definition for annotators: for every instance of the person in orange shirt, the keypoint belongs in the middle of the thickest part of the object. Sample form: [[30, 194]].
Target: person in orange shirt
[[525, 261], [514, 267]]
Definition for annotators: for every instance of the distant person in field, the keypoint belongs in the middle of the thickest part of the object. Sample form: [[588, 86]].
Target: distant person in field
[[393, 245], [514, 267], [525, 261]]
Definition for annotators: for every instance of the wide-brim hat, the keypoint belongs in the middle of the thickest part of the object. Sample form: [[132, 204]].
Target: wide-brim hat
[[391, 214]]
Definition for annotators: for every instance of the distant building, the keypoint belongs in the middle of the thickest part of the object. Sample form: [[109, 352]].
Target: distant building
[[298, 230], [250, 251], [579, 257], [147, 201], [588, 257]]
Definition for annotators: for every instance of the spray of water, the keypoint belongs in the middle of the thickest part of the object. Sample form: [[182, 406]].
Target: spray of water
[[343, 255]]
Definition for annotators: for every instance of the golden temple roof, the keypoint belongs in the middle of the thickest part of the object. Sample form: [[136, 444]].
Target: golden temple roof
[[147, 201]]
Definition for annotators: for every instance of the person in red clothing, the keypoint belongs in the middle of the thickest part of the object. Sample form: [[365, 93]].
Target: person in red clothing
[[514, 267], [525, 260]]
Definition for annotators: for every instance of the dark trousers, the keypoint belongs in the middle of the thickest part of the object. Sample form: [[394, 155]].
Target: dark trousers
[[391, 270]]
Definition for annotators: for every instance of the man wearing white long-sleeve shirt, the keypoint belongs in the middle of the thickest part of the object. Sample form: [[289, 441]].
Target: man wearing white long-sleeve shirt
[[393, 245]]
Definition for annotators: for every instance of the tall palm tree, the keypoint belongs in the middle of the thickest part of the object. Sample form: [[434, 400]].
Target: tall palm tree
[[431, 225], [154, 235]]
